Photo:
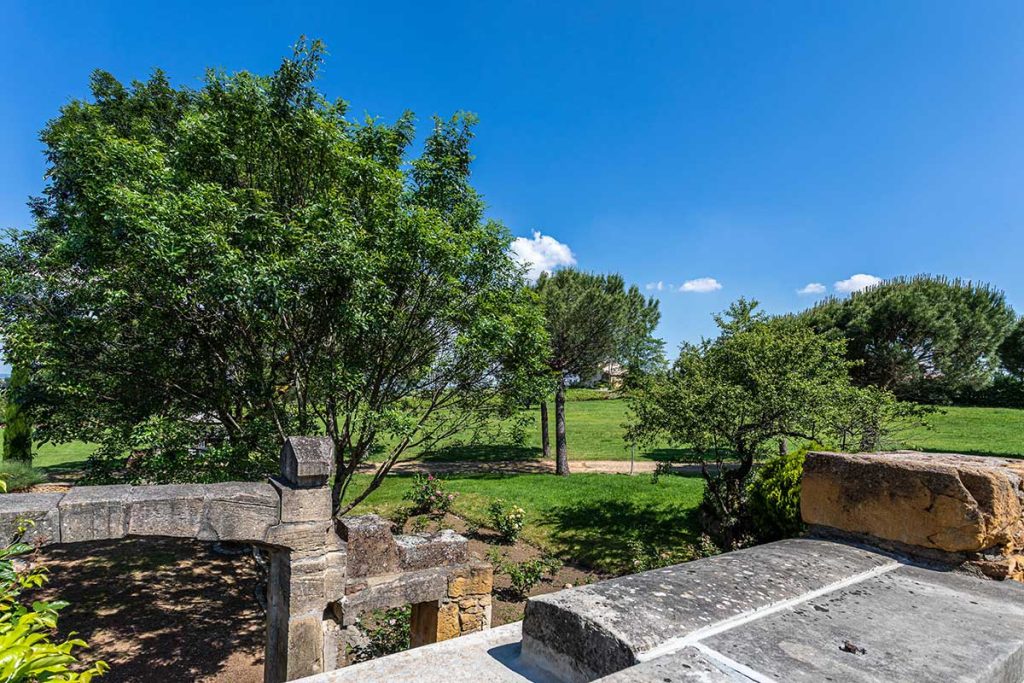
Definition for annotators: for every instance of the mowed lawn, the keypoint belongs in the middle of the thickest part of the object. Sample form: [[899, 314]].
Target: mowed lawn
[[593, 520], [595, 431]]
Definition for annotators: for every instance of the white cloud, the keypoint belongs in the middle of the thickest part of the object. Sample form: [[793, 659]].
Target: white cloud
[[655, 286], [812, 288], [541, 254], [701, 285], [857, 282]]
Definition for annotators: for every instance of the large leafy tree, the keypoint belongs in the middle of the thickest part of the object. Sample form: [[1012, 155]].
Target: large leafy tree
[[923, 338], [1011, 351], [213, 270], [737, 396], [593, 319], [17, 423]]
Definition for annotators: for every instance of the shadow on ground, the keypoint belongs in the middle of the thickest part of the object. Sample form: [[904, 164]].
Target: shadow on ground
[[603, 534], [162, 609]]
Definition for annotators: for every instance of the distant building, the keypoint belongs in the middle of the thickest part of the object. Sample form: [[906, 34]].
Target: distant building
[[610, 373]]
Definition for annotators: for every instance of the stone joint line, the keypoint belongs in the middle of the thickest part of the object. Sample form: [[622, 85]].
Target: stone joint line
[[693, 638]]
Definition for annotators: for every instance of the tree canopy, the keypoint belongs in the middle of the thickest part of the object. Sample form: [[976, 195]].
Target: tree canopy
[[923, 338], [734, 397], [591, 320], [212, 270]]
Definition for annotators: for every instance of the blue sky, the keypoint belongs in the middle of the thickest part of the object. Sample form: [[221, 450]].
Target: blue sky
[[748, 148]]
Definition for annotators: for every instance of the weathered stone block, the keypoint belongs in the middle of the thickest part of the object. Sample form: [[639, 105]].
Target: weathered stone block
[[239, 512], [471, 621], [395, 590], [952, 503], [476, 579], [40, 508], [443, 549], [334, 580], [307, 461], [303, 504], [371, 547], [304, 539], [171, 510], [307, 585], [584, 633], [448, 621], [93, 513]]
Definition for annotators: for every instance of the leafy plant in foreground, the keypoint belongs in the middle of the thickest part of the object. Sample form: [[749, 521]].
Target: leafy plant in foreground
[[28, 653]]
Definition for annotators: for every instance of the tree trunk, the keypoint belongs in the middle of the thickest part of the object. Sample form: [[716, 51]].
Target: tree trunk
[[783, 446], [545, 441], [561, 448]]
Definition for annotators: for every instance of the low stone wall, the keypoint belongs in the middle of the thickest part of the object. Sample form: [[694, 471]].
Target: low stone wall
[[324, 573], [955, 509]]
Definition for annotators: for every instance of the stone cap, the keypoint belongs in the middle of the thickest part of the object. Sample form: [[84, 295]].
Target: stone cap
[[307, 461], [935, 501]]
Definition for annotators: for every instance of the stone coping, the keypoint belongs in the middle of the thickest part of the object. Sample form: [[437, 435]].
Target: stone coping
[[797, 610]]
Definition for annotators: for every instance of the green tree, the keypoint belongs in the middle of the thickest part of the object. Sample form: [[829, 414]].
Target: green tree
[[17, 422], [735, 397], [213, 270], [593, 319], [1011, 351], [923, 338]]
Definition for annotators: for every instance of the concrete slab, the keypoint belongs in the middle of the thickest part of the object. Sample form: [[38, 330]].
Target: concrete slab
[[491, 656], [584, 633], [911, 624]]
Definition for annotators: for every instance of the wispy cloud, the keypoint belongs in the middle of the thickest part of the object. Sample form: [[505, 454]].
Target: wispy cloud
[[812, 288], [658, 286], [541, 254], [701, 285], [857, 282]]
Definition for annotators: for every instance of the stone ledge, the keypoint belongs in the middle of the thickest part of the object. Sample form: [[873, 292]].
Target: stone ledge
[[424, 551], [949, 503], [584, 633], [40, 508]]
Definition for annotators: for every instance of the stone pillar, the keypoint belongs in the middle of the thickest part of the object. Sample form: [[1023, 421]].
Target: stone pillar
[[302, 564], [464, 609]]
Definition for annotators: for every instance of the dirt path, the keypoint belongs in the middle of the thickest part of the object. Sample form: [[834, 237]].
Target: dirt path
[[532, 467]]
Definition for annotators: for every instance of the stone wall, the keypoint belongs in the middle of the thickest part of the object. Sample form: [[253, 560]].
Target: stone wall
[[324, 573], [955, 509]]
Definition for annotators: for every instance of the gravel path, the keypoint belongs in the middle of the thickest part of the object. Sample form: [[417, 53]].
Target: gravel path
[[533, 467]]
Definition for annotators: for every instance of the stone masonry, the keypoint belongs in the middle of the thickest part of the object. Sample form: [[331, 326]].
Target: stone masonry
[[324, 573], [891, 584], [955, 509]]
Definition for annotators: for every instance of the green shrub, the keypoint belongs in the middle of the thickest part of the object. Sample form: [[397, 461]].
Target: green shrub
[[774, 495], [387, 632], [507, 520], [429, 497], [28, 653], [525, 575], [20, 475]]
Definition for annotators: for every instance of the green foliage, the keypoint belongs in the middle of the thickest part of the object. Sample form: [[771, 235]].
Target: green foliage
[[760, 380], [428, 496], [28, 651], [523, 576], [507, 519], [212, 270], [18, 423], [774, 495], [386, 633], [593, 319], [922, 338], [19, 475]]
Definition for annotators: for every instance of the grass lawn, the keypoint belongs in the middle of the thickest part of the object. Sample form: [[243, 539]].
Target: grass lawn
[[595, 432], [587, 519], [974, 431]]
